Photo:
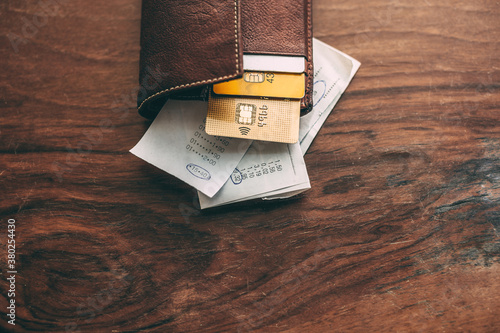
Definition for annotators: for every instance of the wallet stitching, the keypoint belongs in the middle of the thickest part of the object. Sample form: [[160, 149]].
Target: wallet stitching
[[236, 35], [309, 49], [209, 80]]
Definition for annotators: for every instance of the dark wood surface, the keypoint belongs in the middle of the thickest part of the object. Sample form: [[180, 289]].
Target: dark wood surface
[[400, 231]]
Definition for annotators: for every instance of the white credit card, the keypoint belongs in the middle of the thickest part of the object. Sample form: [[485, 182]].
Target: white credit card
[[274, 63]]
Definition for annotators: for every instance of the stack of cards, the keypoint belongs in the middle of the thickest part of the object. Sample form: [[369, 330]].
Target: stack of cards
[[227, 167], [262, 105]]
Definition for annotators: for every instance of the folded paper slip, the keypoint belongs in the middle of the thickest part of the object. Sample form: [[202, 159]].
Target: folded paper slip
[[188, 45]]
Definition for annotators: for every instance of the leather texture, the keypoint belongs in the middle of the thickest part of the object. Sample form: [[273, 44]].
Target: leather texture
[[187, 45], [282, 27]]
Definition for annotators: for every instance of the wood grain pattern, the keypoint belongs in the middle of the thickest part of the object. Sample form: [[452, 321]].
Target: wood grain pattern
[[400, 231]]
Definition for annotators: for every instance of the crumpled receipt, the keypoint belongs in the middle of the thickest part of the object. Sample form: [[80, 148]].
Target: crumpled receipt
[[268, 169], [333, 71], [176, 142]]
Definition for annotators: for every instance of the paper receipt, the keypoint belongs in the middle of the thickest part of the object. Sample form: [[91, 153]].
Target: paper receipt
[[333, 70], [176, 142], [268, 169]]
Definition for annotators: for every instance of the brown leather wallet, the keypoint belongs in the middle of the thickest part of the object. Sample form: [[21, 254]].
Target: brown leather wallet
[[191, 44]]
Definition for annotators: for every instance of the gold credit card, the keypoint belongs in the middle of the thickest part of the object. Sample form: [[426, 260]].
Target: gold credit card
[[281, 85], [254, 118]]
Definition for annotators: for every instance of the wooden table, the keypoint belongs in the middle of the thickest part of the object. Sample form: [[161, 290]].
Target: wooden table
[[399, 232]]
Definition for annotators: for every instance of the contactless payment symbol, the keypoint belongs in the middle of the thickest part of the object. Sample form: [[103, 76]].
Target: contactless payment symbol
[[244, 130]]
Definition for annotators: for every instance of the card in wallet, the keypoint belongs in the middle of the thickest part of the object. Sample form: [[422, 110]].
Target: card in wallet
[[186, 46]]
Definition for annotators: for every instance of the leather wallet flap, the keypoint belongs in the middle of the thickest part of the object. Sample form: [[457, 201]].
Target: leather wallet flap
[[186, 45], [275, 27]]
